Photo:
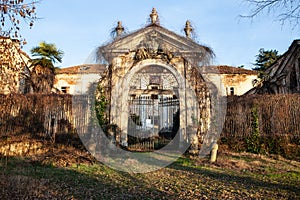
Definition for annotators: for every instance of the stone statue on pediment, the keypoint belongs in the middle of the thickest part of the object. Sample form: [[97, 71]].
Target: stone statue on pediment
[[142, 54]]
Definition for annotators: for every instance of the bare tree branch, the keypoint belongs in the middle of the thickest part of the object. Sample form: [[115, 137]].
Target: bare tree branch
[[283, 10], [15, 12]]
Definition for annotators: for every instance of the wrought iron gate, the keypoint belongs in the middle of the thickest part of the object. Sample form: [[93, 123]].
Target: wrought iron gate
[[153, 120]]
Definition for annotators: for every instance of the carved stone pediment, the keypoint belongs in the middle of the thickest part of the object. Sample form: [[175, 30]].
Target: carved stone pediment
[[153, 40], [153, 47]]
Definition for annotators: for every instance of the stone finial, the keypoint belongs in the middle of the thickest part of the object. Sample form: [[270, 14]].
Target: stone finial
[[188, 29], [119, 29], [154, 16]]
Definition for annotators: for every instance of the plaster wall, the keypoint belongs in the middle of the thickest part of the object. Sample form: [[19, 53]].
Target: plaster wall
[[241, 83], [77, 83]]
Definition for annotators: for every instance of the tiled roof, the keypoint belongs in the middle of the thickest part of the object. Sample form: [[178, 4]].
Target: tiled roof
[[224, 69], [83, 69], [99, 68]]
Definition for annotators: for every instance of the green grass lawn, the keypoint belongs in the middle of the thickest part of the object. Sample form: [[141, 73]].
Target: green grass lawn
[[237, 176]]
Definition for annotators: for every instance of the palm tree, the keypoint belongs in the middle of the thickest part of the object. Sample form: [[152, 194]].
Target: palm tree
[[42, 67]]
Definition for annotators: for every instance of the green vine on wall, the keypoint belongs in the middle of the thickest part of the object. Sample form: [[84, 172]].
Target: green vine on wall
[[101, 104], [253, 141]]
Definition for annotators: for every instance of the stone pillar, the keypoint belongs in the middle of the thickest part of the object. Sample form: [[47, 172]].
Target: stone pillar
[[192, 132], [214, 150]]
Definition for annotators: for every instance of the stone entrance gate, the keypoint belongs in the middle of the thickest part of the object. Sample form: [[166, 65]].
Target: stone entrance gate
[[153, 85]]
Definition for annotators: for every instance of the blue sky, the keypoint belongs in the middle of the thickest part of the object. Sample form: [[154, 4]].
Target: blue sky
[[78, 27]]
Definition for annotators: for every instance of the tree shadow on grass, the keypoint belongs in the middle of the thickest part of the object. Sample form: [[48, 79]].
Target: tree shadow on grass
[[240, 180], [22, 179]]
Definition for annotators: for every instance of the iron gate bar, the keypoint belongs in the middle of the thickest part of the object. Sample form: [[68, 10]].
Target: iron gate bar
[[150, 116]]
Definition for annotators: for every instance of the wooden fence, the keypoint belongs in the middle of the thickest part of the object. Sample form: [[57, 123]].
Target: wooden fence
[[51, 115], [41, 115], [277, 115]]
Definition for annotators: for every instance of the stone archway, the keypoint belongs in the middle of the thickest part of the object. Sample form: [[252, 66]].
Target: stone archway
[[153, 106], [187, 99]]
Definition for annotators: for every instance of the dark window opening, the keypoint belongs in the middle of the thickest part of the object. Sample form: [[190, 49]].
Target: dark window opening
[[65, 89], [153, 96], [231, 91], [132, 96]]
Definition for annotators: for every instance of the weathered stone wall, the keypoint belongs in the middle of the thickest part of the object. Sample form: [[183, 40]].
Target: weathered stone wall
[[13, 67], [21, 148], [283, 76]]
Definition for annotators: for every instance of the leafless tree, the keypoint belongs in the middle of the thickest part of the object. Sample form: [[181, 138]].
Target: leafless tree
[[13, 14], [283, 10]]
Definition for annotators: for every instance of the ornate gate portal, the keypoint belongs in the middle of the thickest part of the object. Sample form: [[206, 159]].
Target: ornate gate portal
[[153, 108], [154, 88]]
